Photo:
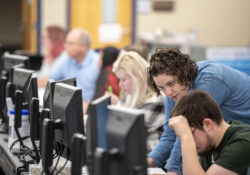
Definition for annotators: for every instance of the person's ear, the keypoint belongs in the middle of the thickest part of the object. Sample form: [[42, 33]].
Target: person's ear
[[208, 124]]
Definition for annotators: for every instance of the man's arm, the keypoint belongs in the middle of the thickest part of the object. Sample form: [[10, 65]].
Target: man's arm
[[218, 170], [191, 164]]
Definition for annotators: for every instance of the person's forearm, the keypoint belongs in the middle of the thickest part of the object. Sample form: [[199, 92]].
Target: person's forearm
[[190, 161], [174, 163]]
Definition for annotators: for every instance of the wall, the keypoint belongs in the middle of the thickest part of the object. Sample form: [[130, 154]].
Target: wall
[[218, 22], [10, 24], [54, 12]]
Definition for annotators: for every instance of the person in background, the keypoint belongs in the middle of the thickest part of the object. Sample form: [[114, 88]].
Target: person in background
[[79, 61], [107, 81], [53, 42], [174, 74], [53, 39], [140, 49], [223, 147], [130, 70]]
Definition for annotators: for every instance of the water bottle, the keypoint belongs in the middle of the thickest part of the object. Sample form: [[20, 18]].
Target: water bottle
[[24, 130]]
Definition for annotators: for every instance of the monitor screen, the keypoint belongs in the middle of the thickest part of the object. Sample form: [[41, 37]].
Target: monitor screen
[[96, 126], [126, 133], [49, 92], [67, 113]]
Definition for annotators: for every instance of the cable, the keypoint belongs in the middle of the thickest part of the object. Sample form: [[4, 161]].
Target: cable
[[24, 151], [59, 171], [59, 156]]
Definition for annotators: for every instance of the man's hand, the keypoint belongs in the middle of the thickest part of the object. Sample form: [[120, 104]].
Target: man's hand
[[180, 125], [151, 162]]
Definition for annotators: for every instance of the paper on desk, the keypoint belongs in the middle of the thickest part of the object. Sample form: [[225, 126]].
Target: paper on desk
[[40, 96], [155, 170]]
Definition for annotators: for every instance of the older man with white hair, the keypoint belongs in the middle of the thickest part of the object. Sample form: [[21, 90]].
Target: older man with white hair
[[78, 61]]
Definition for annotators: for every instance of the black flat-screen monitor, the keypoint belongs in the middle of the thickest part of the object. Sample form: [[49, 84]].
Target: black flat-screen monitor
[[10, 60], [3, 107], [67, 114], [22, 81], [49, 92], [26, 81], [25, 85], [35, 60], [126, 135], [1, 62], [32, 90], [96, 127]]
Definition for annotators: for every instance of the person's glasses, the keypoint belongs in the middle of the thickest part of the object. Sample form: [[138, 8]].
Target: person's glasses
[[69, 43]]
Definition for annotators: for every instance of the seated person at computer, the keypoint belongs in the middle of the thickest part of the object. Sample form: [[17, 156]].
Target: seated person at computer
[[53, 39], [53, 43], [79, 61], [223, 147], [140, 49], [130, 70], [107, 80]]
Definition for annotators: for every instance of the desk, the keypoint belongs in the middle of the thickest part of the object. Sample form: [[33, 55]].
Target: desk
[[156, 171], [9, 163]]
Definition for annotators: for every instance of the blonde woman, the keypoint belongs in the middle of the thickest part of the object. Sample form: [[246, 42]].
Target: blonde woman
[[130, 70]]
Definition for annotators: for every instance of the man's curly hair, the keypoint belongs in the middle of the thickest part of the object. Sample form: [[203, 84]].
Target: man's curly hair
[[171, 62]]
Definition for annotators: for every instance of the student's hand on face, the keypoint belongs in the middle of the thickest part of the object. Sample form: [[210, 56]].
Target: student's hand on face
[[180, 125]]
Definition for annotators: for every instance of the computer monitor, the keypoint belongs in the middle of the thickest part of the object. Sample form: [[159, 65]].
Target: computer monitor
[[34, 115], [49, 92], [10, 60], [67, 114], [32, 90], [22, 81], [1, 59], [126, 137], [35, 60], [96, 127], [3, 107], [25, 85]]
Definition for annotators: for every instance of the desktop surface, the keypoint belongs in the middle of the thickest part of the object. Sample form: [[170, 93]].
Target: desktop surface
[[9, 163]]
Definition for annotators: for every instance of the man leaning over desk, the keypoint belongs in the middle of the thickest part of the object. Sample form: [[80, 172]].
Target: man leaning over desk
[[223, 147]]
